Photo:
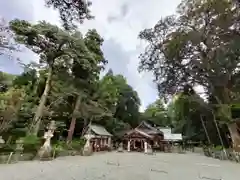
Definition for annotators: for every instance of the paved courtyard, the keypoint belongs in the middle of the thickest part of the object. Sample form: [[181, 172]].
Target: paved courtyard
[[124, 166]]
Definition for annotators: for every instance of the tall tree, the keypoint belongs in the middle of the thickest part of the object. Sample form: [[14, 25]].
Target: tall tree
[[120, 98], [157, 113], [200, 46], [54, 46], [86, 74]]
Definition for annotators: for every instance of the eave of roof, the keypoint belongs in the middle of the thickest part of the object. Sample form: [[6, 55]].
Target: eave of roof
[[99, 130]]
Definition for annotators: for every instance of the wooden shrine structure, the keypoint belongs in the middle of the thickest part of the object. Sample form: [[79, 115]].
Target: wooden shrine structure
[[101, 139], [142, 138]]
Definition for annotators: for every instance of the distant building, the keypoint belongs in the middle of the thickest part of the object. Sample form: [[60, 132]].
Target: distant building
[[102, 139], [169, 136], [143, 137], [148, 133]]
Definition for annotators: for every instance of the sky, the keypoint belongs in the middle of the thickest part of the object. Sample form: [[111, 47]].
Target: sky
[[117, 21]]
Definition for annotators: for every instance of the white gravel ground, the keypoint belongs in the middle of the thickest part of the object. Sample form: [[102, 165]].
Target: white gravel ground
[[124, 166]]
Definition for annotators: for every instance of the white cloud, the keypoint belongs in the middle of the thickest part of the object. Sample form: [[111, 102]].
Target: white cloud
[[119, 21]]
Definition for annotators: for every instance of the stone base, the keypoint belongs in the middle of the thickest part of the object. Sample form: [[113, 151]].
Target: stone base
[[45, 154], [87, 151]]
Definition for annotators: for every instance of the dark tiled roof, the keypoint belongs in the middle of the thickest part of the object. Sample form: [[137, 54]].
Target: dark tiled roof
[[99, 130], [143, 133], [151, 129]]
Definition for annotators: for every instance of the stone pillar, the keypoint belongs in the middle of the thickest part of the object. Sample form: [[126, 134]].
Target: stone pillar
[[101, 143], [145, 146], [128, 146], [19, 149], [87, 149], [109, 142]]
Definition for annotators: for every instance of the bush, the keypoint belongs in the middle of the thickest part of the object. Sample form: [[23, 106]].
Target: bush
[[218, 148], [77, 144], [31, 143], [60, 147], [7, 148]]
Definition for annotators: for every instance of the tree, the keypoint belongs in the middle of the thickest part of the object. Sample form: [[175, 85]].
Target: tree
[[54, 46], [157, 113], [120, 98], [10, 104], [5, 81], [71, 10], [127, 108], [85, 75], [200, 46]]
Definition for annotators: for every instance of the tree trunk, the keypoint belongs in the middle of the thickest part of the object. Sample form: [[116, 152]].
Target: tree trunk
[[219, 134], [206, 132], [38, 115], [73, 121]]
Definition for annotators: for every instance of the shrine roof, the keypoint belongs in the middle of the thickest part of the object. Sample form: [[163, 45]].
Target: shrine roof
[[99, 130], [139, 131], [149, 128]]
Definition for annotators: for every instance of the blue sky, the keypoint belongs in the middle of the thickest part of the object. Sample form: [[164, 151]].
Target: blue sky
[[118, 21]]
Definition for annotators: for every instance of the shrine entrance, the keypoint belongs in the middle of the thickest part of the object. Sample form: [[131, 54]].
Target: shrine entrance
[[139, 144], [136, 140], [136, 144]]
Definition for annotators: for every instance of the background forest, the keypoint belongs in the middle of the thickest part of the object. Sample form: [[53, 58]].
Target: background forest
[[200, 46]]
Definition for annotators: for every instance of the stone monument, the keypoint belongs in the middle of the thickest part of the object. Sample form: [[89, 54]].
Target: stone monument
[[19, 149], [87, 149], [45, 152]]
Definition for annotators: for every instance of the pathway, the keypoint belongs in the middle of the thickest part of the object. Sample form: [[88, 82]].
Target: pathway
[[124, 166]]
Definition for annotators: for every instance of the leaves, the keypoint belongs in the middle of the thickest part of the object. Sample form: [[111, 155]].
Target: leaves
[[10, 103], [71, 11], [195, 48]]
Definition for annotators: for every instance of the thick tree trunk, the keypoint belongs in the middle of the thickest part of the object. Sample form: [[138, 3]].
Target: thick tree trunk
[[38, 115], [73, 121], [219, 134]]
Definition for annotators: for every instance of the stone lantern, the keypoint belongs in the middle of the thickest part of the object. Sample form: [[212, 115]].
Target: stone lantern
[[87, 149], [19, 149], [45, 151]]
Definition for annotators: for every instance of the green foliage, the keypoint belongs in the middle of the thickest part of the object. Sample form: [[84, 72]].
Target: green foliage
[[31, 143], [61, 146], [71, 11], [157, 113], [10, 103], [199, 46], [120, 98], [200, 52], [218, 148], [77, 144]]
